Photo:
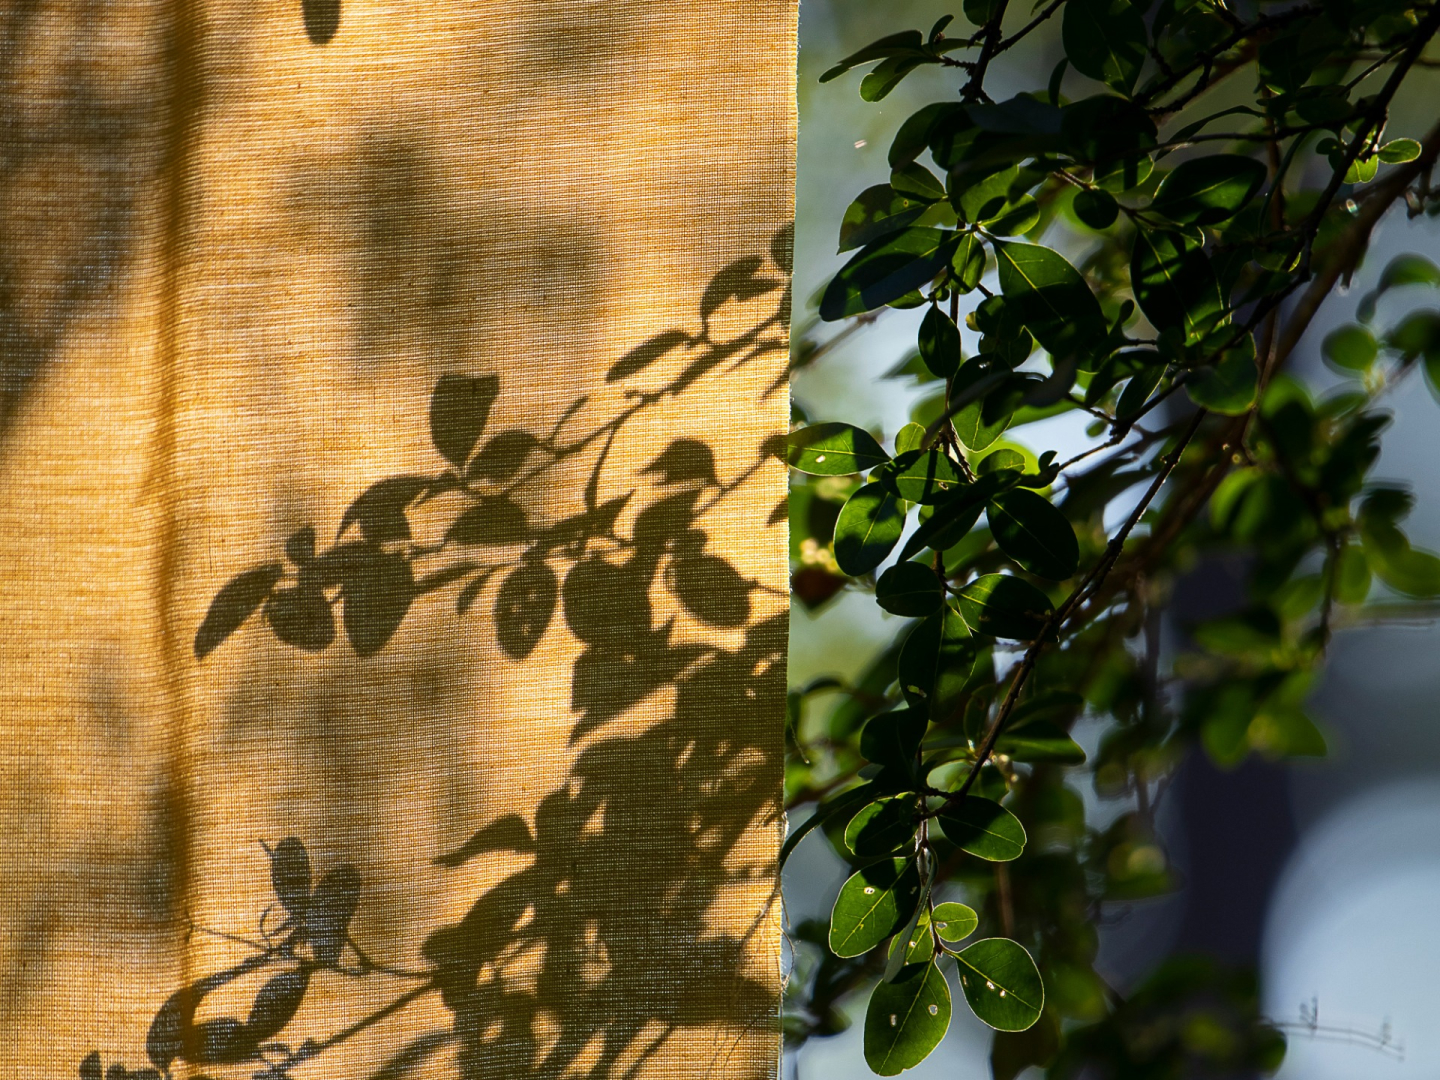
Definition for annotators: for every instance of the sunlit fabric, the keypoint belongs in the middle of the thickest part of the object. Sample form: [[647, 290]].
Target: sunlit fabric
[[437, 352]]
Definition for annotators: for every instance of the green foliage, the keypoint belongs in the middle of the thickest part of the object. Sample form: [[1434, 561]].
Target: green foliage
[[1116, 241]]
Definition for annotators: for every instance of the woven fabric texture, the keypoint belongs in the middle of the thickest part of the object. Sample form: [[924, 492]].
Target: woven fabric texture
[[477, 775]]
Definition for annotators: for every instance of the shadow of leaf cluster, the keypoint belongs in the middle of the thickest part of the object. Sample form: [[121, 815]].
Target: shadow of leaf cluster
[[601, 945]]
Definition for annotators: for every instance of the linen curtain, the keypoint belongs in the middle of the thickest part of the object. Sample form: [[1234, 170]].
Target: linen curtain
[[392, 536]]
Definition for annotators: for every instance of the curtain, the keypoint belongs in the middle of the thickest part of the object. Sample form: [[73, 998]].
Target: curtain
[[392, 532]]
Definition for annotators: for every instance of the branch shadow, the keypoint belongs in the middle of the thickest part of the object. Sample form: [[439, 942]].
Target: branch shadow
[[614, 924]]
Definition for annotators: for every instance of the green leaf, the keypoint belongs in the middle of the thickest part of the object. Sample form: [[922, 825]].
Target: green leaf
[[1054, 302], [1096, 208], [909, 437], [906, 1018], [1229, 386], [1105, 39], [834, 449], [982, 197], [872, 905], [985, 419], [968, 263], [907, 41], [1138, 390], [892, 738], [980, 12], [919, 943], [939, 342], [1408, 269], [869, 526], [824, 812], [1002, 460], [886, 270], [1041, 742], [1350, 348], [955, 514], [936, 662], [1030, 530], [983, 828], [909, 588], [237, 601], [1209, 189], [1001, 983], [1398, 151], [1175, 284], [916, 132], [1004, 606], [887, 74], [876, 213], [1362, 170], [920, 476], [883, 827], [916, 181], [954, 922], [459, 408]]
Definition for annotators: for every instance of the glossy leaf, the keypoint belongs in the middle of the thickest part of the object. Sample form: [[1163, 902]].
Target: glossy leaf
[[834, 449], [955, 514], [920, 476], [868, 528], [917, 941], [936, 662], [985, 419], [883, 827], [909, 588], [954, 922], [1397, 151], [1208, 190], [241, 597], [968, 263], [1106, 40], [1004, 606], [939, 343], [892, 738], [1350, 348], [886, 270], [903, 43], [1229, 386], [1096, 208], [876, 213], [1041, 742], [906, 1019], [1407, 269], [874, 903], [1175, 284], [983, 828], [909, 437], [1001, 983], [1030, 530], [1054, 301]]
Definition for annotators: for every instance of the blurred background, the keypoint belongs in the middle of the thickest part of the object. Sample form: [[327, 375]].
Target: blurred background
[[1321, 875]]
